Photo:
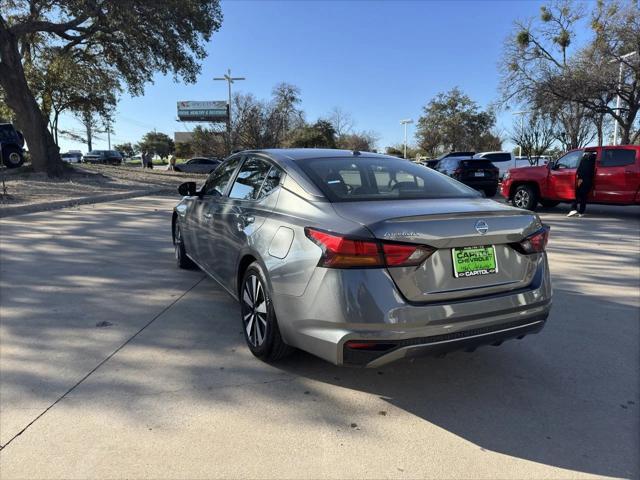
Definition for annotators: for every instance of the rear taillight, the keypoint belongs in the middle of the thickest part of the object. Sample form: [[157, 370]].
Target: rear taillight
[[339, 251], [457, 171], [535, 243]]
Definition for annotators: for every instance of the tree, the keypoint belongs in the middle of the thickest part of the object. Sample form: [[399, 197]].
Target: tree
[[137, 37], [542, 66], [362, 141], [536, 136], [156, 143], [342, 121], [183, 150], [126, 149], [319, 135], [452, 121], [208, 142], [67, 81]]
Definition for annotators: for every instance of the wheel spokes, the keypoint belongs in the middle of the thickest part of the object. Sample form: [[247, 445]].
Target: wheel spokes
[[254, 310]]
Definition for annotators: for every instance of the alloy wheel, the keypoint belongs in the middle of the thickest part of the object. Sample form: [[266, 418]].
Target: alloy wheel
[[521, 199], [177, 242], [254, 310]]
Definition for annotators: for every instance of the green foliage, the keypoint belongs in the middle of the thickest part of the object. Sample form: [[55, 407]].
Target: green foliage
[[134, 39], [156, 143], [126, 149], [183, 150], [6, 114], [319, 135], [207, 142], [452, 121]]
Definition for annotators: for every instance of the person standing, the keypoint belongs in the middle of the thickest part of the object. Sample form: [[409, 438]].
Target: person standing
[[584, 183], [172, 163], [143, 158]]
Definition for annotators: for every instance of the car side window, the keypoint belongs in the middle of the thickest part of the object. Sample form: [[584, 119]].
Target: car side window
[[271, 182], [570, 160], [617, 157], [249, 179], [217, 182]]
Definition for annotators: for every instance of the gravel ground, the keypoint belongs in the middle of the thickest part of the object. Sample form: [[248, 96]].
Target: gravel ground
[[24, 188]]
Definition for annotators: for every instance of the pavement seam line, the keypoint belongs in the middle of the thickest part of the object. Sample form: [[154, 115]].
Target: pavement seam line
[[111, 355]]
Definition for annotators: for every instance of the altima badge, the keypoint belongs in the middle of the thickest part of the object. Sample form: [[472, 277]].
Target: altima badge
[[482, 227]]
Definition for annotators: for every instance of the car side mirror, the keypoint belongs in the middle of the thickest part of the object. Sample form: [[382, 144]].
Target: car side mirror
[[187, 189]]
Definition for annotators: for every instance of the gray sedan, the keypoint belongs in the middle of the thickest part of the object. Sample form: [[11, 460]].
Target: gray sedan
[[362, 259]]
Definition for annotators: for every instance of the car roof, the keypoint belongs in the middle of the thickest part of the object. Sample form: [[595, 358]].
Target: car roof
[[295, 154]]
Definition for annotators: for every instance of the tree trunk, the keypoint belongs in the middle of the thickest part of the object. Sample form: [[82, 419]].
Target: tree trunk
[[45, 155]]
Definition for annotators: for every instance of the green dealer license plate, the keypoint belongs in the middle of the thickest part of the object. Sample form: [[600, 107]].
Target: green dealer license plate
[[473, 261]]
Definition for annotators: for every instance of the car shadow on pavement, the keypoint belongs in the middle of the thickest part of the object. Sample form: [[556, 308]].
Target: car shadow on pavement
[[563, 397]]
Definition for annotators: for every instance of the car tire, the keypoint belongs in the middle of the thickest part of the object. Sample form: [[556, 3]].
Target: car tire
[[182, 260], [525, 197], [12, 156], [258, 317], [549, 203], [490, 192]]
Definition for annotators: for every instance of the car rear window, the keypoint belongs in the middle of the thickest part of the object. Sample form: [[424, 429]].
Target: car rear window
[[498, 157], [367, 178], [617, 157]]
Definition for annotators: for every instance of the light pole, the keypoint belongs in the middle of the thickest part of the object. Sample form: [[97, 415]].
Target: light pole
[[619, 100], [522, 113], [405, 122], [229, 79]]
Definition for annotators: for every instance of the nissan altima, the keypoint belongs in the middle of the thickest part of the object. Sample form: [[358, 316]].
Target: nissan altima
[[360, 258]]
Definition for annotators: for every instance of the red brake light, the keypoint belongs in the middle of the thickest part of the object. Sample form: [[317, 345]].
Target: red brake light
[[339, 251], [403, 254], [535, 243]]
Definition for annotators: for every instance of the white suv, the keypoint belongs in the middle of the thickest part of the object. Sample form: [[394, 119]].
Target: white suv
[[504, 161]]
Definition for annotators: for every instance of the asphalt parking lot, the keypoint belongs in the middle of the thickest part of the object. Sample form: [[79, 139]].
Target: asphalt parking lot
[[116, 364]]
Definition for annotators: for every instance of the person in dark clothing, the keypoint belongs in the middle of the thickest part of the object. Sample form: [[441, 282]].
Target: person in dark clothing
[[584, 183]]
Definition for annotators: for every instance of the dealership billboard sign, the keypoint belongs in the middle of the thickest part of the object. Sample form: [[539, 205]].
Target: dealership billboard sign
[[209, 111]]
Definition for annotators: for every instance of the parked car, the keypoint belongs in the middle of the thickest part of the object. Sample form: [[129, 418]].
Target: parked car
[[198, 165], [456, 154], [11, 146], [104, 156], [616, 180], [477, 173], [71, 157], [360, 258], [504, 161]]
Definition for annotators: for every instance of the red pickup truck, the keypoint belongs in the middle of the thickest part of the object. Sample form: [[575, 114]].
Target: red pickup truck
[[616, 180]]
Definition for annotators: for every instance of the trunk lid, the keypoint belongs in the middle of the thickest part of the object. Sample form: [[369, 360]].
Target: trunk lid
[[445, 224]]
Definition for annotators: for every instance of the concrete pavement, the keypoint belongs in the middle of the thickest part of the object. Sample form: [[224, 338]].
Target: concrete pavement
[[113, 363]]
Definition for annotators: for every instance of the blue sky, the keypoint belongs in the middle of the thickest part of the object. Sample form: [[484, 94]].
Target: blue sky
[[379, 60]]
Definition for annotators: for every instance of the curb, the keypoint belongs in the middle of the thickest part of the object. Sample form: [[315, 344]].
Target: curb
[[10, 211]]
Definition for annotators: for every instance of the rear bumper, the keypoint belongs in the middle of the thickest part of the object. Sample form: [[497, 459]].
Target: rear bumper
[[505, 188], [480, 182], [435, 345], [363, 306]]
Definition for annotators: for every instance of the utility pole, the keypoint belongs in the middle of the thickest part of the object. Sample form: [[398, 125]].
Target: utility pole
[[229, 79], [522, 113], [616, 124], [405, 122], [108, 134]]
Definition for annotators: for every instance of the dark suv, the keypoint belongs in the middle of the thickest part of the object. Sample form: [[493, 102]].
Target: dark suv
[[103, 156], [11, 146], [476, 173]]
